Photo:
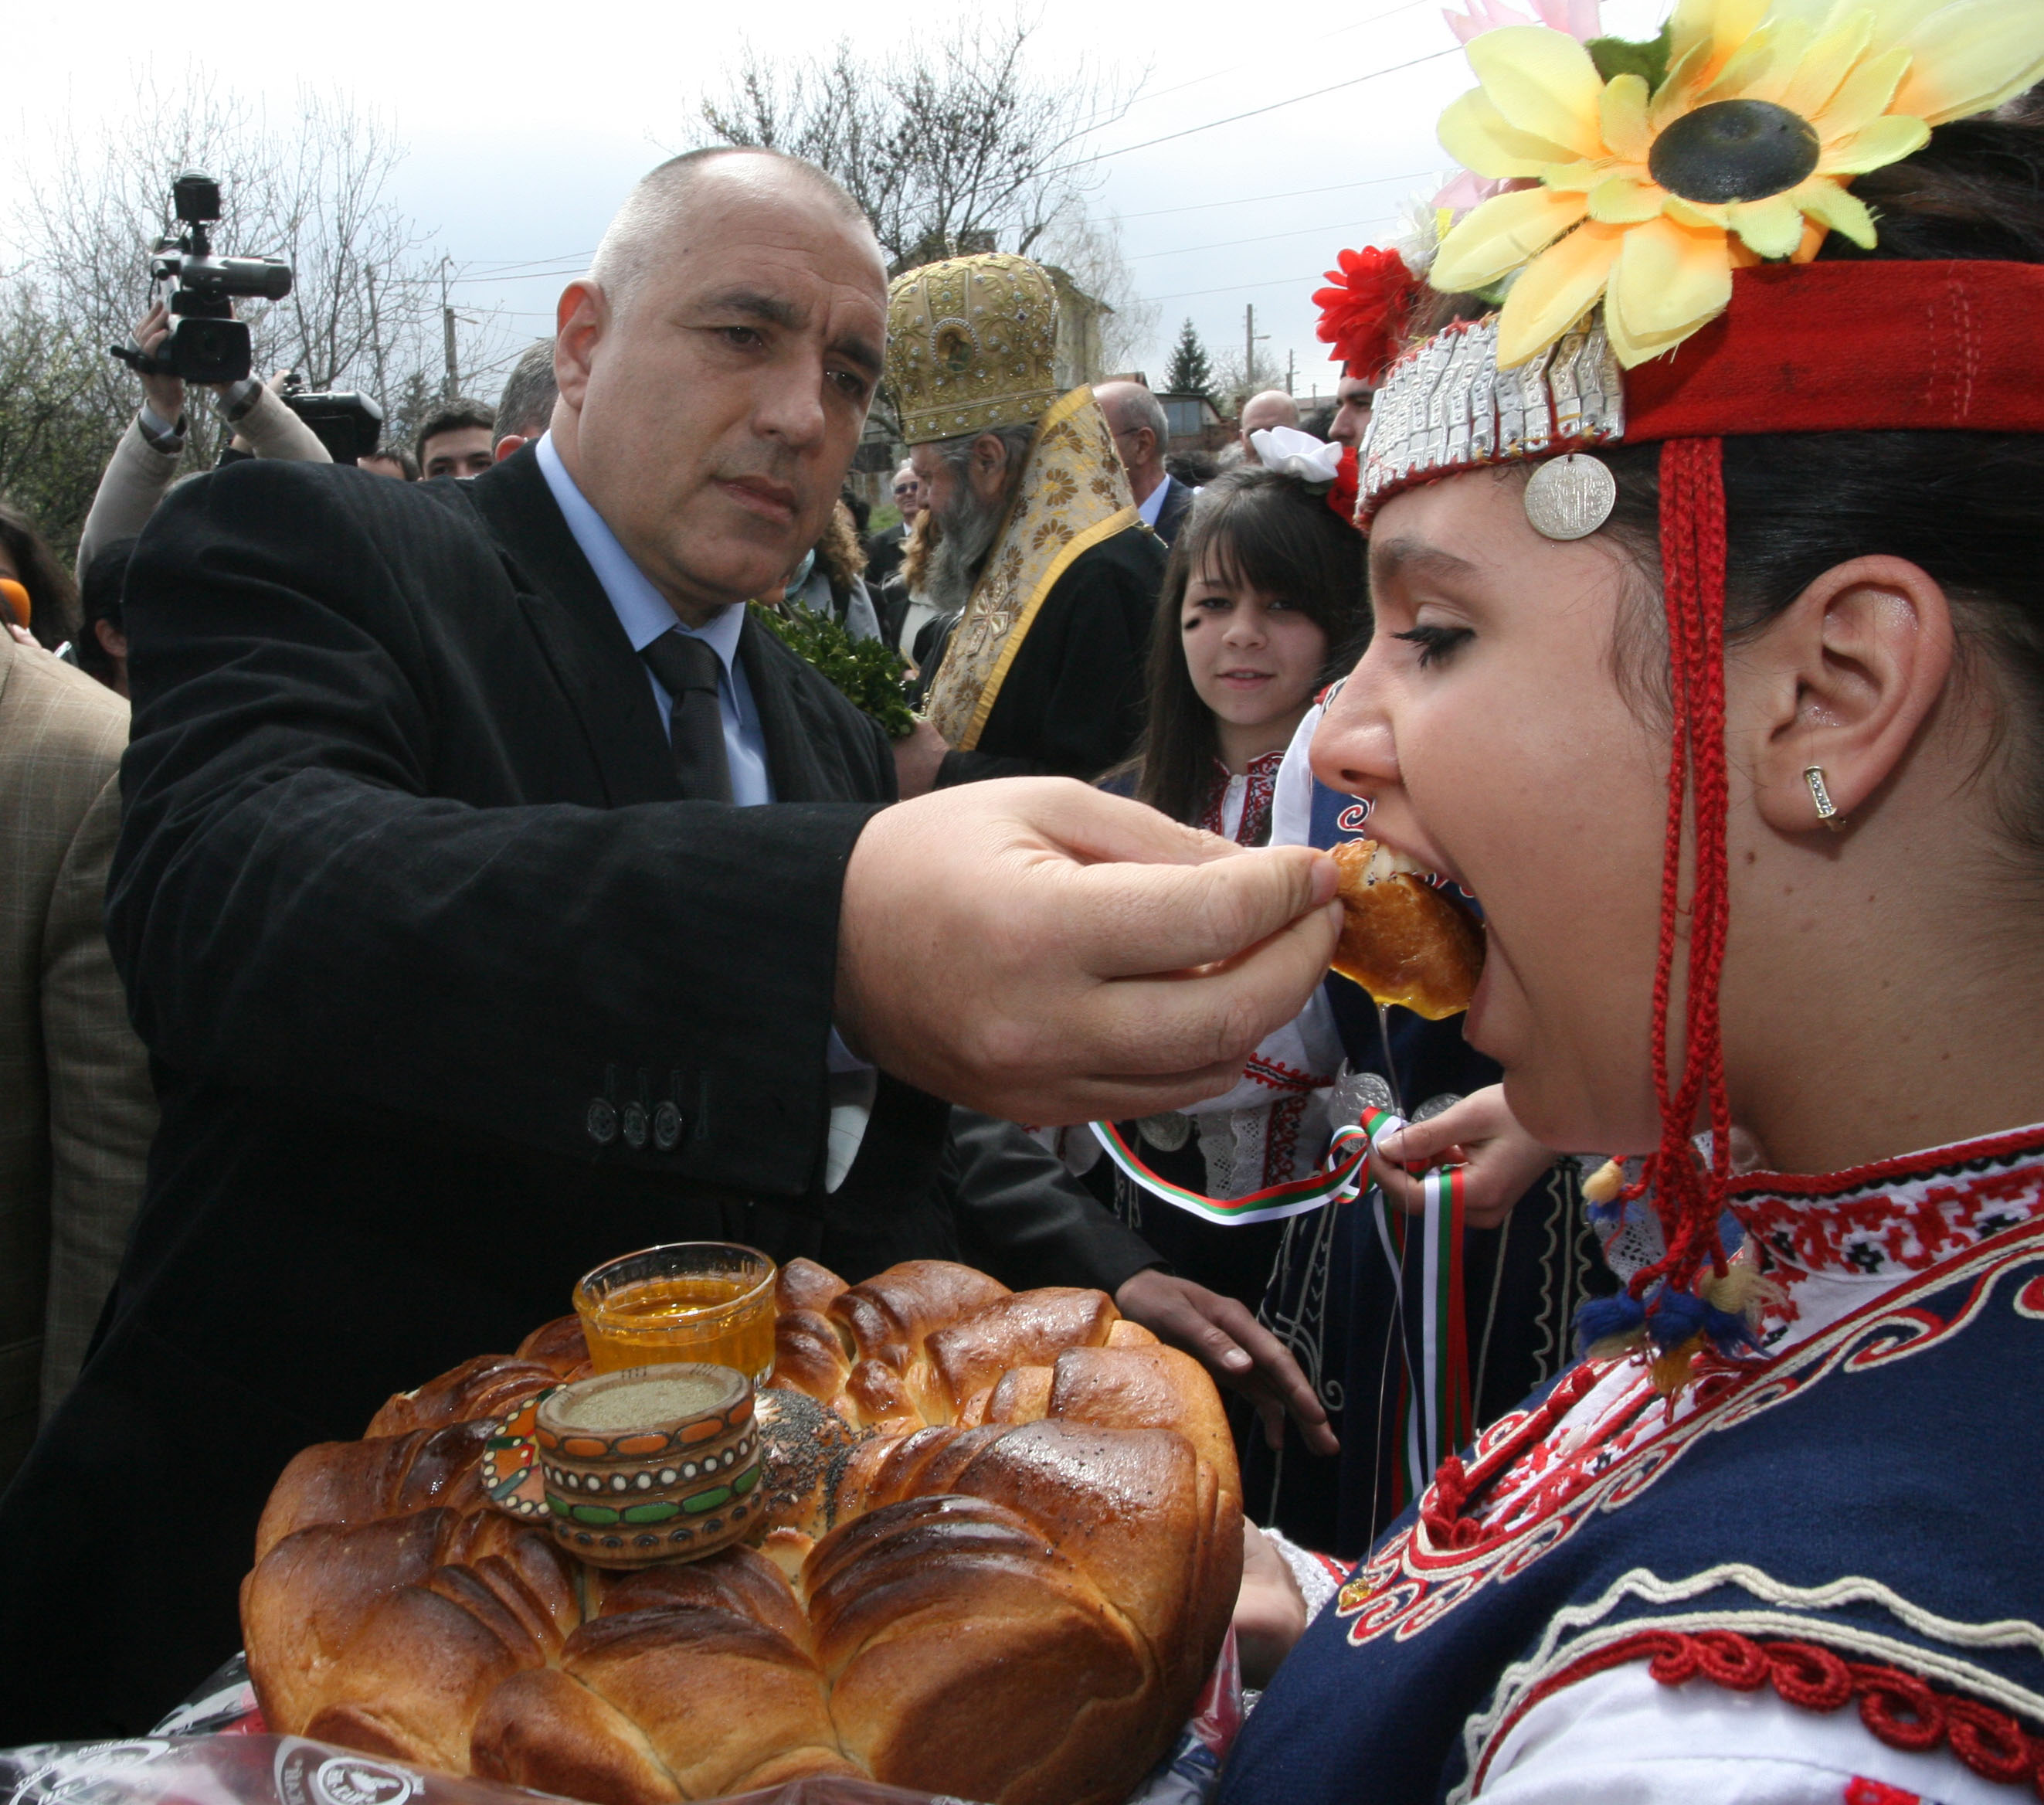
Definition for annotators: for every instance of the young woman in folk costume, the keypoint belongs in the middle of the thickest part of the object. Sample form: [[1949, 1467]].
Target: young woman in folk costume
[[1710, 654]]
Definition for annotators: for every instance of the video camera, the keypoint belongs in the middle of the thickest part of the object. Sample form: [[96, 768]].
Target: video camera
[[347, 424], [208, 344]]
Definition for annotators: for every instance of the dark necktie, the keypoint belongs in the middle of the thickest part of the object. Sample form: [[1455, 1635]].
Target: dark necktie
[[688, 670]]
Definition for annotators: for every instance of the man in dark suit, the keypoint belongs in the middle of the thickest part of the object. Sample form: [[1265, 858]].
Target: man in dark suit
[[884, 548], [459, 971], [1142, 435]]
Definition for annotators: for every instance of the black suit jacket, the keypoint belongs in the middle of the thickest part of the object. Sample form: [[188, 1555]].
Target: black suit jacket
[[884, 553], [1171, 516], [1072, 703], [449, 999]]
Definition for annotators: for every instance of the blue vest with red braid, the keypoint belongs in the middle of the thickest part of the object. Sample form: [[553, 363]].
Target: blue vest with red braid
[[1848, 1518]]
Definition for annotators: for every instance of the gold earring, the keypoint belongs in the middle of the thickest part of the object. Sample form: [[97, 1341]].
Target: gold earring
[[1828, 811]]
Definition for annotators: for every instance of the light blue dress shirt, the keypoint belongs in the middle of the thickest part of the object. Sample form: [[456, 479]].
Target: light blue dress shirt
[[645, 614]]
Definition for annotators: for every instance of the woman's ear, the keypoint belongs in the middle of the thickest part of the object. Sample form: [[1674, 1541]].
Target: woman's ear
[[1842, 681]]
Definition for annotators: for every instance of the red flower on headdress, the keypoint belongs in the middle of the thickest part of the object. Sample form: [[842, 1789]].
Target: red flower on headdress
[[1367, 313]]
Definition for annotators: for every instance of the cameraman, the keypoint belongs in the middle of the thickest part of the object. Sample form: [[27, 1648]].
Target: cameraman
[[145, 462]]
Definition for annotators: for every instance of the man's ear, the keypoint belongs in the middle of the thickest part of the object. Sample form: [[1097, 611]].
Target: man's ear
[[581, 317], [990, 466], [1843, 679]]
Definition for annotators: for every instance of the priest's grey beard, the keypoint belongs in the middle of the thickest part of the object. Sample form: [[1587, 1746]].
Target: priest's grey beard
[[964, 531], [965, 535]]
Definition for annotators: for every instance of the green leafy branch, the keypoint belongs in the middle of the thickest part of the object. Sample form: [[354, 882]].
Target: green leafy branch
[[867, 672]]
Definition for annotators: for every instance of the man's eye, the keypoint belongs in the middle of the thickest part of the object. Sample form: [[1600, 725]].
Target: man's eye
[[1434, 642], [851, 382], [747, 336]]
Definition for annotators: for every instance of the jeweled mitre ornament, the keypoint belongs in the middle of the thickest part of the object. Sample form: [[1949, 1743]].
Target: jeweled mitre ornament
[[969, 345]]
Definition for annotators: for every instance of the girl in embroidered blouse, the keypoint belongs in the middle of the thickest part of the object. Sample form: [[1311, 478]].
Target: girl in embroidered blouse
[[1882, 1032], [1262, 604]]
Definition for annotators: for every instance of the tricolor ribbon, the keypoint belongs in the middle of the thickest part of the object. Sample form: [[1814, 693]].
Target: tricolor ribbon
[[1436, 1411]]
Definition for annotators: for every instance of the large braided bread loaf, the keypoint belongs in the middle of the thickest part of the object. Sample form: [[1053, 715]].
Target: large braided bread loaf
[[1005, 1543]]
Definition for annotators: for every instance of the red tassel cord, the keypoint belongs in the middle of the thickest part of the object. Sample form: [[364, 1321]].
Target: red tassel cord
[[1662, 1298]]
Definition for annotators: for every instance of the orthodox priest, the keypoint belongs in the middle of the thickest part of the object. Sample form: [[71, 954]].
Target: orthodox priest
[[1036, 546]]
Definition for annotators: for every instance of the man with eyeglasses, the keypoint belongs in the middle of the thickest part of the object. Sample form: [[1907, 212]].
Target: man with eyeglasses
[[884, 549], [1142, 431]]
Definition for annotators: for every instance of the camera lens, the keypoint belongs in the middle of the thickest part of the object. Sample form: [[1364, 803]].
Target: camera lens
[[211, 351]]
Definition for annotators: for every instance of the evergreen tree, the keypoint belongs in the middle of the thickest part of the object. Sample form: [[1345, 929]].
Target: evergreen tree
[[1189, 373]]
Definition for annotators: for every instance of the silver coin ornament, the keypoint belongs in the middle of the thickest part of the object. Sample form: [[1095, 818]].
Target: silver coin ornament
[[1571, 497], [1355, 1092], [1166, 1133]]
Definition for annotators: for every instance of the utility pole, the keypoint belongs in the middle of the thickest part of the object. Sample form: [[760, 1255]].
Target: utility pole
[[1250, 339], [1291, 369], [452, 385]]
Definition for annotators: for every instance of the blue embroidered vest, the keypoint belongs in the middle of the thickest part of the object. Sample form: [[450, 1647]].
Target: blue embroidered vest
[[1870, 1485]]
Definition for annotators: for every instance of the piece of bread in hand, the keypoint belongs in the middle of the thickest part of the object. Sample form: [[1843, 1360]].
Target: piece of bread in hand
[[1404, 939]]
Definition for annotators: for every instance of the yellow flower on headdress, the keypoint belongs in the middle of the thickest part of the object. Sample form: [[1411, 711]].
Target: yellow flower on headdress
[[1649, 196]]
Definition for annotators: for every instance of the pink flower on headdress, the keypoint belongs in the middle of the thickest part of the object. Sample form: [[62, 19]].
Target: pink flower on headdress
[[1579, 18]]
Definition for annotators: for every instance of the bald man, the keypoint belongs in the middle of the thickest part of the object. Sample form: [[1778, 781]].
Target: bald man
[[1272, 408], [495, 898], [1142, 431]]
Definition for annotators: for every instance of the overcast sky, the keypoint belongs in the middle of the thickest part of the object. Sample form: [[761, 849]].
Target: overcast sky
[[521, 140]]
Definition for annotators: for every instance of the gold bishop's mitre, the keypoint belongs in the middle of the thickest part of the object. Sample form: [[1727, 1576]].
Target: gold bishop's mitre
[[969, 345]]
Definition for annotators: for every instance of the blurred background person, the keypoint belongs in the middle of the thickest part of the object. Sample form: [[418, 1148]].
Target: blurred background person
[[146, 461], [76, 1110], [100, 647], [458, 440], [1142, 431], [25, 558], [884, 548], [390, 461], [527, 403], [830, 579], [1272, 408]]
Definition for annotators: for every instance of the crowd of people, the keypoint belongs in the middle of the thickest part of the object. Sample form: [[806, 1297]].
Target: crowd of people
[[482, 887]]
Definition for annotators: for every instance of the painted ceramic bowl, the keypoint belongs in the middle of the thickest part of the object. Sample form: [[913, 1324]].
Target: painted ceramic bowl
[[655, 1463]]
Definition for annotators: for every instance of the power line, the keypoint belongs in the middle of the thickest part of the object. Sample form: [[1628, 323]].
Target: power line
[[1288, 194], [1215, 74], [1257, 112], [1265, 238]]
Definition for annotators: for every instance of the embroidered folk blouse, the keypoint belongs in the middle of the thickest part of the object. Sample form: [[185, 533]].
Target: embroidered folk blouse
[[1865, 1262]]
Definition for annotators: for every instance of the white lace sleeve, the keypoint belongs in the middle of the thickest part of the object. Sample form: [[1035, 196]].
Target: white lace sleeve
[[1624, 1738], [1316, 1582]]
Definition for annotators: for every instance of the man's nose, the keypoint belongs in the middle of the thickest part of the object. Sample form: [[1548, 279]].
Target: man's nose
[[791, 405]]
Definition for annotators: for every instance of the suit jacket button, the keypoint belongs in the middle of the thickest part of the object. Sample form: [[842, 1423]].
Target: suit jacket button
[[602, 1121], [666, 1127], [634, 1126]]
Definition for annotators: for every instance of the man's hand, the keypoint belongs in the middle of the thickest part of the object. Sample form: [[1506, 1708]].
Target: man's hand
[[1269, 1610], [1049, 953], [917, 757], [1500, 1159], [1237, 1349], [166, 394]]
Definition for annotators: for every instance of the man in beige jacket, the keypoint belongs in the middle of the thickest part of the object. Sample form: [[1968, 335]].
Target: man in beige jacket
[[76, 1110]]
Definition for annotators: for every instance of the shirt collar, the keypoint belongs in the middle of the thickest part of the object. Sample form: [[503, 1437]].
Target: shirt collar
[[1153, 504], [642, 610]]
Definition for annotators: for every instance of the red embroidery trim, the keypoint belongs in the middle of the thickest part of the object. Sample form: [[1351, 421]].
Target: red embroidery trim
[[1902, 1711], [1861, 1790]]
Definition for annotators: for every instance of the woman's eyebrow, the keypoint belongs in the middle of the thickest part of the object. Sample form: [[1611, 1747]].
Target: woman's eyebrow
[[1420, 557]]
